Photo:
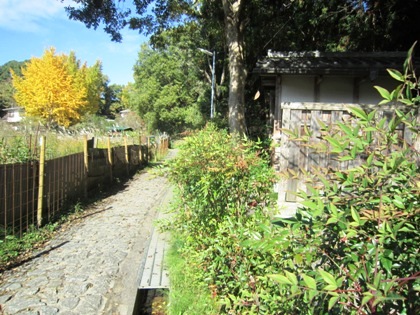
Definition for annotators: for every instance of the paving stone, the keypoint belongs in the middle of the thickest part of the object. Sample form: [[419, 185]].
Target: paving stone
[[100, 286], [76, 278], [4, 298], [27, 291], [49, 295], [54, 283], [69, 302], [47, 310], [80, 271], [28, 313], [75, 289], [90, 304], [36, 282], [55, 274], [36, 273], [15, 306], [12, 287]]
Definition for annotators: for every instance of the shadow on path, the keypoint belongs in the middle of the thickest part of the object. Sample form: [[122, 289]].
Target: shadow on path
[[24, 260]]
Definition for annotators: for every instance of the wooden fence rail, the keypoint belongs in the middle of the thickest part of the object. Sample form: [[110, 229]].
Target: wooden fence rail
[[295, 156], [23, 203]]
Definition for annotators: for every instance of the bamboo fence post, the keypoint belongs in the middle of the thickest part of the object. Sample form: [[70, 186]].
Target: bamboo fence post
[[127, 159], [156, 149], [140, 151], [148, 148], [41, 180], [110, 158], [86, 163]]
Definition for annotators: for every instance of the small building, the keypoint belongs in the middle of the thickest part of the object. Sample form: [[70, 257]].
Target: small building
[[303, 88], [125, 113], [13, 114]]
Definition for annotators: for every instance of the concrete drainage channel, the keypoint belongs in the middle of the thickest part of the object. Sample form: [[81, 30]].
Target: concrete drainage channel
[[150, 301], [153, 277]]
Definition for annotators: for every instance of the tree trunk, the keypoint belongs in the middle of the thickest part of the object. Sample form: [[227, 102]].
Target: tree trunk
[[237, 70]]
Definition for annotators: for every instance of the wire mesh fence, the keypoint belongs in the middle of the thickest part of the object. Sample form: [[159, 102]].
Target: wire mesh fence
[[26, 200]]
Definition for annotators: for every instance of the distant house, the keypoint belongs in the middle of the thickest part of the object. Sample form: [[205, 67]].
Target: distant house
[[124, 113], [303, 88], [13, 114]]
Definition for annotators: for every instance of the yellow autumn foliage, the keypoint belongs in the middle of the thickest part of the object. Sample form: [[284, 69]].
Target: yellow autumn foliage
[[48, 90]]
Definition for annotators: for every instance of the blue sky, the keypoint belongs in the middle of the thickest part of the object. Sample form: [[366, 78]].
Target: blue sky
[[29, 27]]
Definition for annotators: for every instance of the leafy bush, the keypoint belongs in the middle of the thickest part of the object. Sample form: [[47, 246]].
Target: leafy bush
[[219, 177], [15, 150], [225, 193], [353, 247]]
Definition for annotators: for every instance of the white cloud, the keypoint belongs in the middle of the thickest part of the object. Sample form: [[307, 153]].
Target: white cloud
[[28, 15], [130, 44]]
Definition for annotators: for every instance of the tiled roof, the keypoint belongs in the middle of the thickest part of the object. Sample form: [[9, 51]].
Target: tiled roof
[[319, 63]]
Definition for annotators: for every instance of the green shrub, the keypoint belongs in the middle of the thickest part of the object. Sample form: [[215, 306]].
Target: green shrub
[[225, 199], [220, 176], [15, 150], [353, 247]]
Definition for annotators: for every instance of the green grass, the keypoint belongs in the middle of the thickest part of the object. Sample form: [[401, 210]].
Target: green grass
[[186, 296], [14, 248]]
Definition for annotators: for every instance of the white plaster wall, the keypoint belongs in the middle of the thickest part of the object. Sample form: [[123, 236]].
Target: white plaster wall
[[369, 95], [297, 89], [336, 90], [13, 117], [332, 89]]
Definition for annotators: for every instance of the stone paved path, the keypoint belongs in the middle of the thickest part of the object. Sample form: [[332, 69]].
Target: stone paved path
[[92, 267]]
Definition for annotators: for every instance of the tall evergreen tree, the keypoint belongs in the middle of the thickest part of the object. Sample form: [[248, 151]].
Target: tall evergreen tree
[[167, 92], [246, 29]]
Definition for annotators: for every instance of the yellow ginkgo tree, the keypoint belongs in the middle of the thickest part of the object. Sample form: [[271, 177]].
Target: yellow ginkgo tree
[[90, 78], [48, 90]]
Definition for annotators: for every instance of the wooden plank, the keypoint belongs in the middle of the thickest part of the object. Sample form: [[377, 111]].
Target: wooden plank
[[291, 156], [336, 117], [314, 157], [283, 155], [292, 185], [293, 159]]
